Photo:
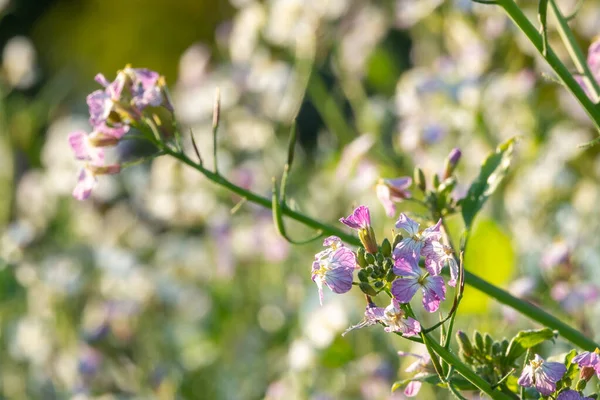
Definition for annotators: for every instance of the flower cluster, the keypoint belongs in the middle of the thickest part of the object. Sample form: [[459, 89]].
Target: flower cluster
[[406, 264], [384, 267], [122, 104]]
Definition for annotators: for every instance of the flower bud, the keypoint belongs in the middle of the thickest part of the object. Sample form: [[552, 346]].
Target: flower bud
[[582, 383], [386, 247], [478, 339], [397, 239], [390, 276], [362, 276], [436, 181], [367, 289], [370, 258], [419, 178], [452, 162], [360, 258], [378, 284], [488, 343], [105, 169]]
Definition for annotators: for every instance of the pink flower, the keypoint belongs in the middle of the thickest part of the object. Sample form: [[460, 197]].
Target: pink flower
[[334, 267], [87, 179], [436, 256], [392, 316], [542, 374], [416, 239], [571, 395], [589, 363], [360, 220], [391, 191], [90, 148], [412, 278]]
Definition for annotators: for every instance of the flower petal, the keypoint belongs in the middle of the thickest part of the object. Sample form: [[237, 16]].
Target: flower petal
[[404, 289], [409, 225], [412, 389]]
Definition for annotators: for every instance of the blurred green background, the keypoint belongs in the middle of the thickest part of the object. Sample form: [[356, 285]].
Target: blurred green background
[[160, 286]]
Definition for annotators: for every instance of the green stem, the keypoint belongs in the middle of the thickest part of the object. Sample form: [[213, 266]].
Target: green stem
[[464, 370], [532, 311], [524, 307], [575, 52], [515, 13]]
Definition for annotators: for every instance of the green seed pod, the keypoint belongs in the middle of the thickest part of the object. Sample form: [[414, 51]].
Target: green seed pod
[[367, 289], [378, 284], [370, 258], [386, 248], [362, 276], [360, 258]]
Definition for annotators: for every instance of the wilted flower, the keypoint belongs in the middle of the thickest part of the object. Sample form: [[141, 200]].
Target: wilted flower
[[436, 256], [390, 191], [392, 316], [413, 278], [571, 395], [589, 363], [360, 220], [543, 375], [416, 239], [334, 267]]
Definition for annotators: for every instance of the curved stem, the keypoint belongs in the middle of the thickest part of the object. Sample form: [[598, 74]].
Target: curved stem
[[575, 52], [525, 25], [522, 306]]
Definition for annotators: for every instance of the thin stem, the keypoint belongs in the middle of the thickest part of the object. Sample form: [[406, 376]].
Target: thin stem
[[575, 52], [464, 370], [522, 306], [525, 25]]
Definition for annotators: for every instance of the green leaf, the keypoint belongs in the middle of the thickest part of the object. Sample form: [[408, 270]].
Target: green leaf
[[572, 369], [493, 170], [526, 340]]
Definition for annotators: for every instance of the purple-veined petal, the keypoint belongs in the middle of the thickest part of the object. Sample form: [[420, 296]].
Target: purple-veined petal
[[85, 184], [404, 289], [101, 79], [570, 394], [409, 225], [434, 292], [526, 378], [433, 232], [407, 266], [553, 370], [384, 196], [332, 241], [408, 247], [359, 219], [77, 140], [453, 265], [339, 280], [586, 359], [412, 389]]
